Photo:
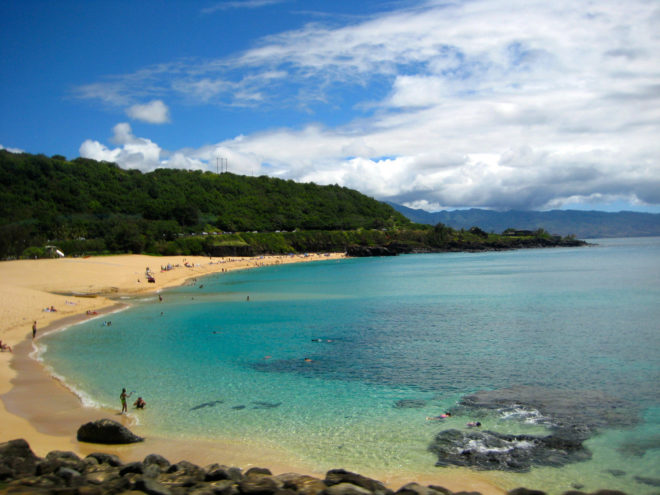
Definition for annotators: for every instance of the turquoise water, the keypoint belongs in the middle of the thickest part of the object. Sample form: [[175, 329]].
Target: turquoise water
[[392, 341]]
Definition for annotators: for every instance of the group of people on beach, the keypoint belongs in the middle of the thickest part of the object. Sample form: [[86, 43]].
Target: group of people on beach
[[138, 404]]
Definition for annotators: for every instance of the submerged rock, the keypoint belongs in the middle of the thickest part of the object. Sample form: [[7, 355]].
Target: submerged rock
[[586, 410], [490, 450], [571, 417], [106, 431], [410, 404]]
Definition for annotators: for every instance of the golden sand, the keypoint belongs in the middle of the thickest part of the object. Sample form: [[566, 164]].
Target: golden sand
[[38, 408]]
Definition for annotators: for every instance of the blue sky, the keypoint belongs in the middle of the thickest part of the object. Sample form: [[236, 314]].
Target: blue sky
[[432, 104]]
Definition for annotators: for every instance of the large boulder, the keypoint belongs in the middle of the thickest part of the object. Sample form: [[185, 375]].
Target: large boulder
[[16, 459], [106, 431]]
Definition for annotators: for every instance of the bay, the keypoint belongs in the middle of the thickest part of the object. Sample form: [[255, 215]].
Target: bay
[[340, 363]]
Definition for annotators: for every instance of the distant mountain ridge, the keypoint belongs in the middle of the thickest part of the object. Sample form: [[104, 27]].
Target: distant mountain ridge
[[582, 224]]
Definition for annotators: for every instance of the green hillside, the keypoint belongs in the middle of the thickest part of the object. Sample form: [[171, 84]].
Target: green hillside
[[98, 207], [84, 207]]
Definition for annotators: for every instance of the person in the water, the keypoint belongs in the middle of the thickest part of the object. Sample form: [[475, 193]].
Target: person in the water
[[123, 396], [442, 416]]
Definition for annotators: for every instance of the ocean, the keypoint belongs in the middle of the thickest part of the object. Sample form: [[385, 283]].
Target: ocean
[[555, 352]]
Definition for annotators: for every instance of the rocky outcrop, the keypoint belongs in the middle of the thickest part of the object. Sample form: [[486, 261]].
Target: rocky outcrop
[[106, 431], [367, 251], [570, 417], [491, 450], [99, 474]]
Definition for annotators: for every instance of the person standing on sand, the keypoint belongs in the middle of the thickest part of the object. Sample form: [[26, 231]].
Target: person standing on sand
[[34, 329], [123, 398]]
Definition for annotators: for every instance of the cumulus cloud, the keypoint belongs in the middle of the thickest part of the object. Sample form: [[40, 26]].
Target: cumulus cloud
[[133, 152], [523, 104], [154, 112], [11, 150]]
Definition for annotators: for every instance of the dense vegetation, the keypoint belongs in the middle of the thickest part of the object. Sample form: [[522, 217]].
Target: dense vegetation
[[105, 208], [88, 207]]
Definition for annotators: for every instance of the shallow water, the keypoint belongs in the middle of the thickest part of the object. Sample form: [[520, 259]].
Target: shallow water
[[392, 341]]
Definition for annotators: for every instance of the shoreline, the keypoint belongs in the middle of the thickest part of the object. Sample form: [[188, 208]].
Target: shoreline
[[38, 407]]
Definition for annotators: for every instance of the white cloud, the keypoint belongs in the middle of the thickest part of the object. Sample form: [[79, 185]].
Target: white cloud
[[134, 152], [154, 112], [480, 103], [11, 150], [240, 4]]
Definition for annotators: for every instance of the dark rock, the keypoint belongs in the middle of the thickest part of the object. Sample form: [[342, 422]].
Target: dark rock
[[265, 405], [440, 489], [608, 492], [648, 481], [258, 471], [109, 459], [89, 490], [187, 469], [70, 476], [416, 489], [346, 489], [525, 491], [106, 431], [58, 459], [132, 467], [156, 460], [302, 484], [336, 476], [285, 491], [102, 478], [367, 251], [151, 487], [615, 472], [259, 485], [217, 472], [639, 446], [410, 404], [224, 487], [16, 459], [491, 450], [583, 411], [152, 471]]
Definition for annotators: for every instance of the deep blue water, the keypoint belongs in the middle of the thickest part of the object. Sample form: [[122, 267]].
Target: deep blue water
[[427, 329]]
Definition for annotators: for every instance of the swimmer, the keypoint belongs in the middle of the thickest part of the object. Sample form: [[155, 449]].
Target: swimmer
[[139, 403], [473, 424], [442, 416], [308, 360]]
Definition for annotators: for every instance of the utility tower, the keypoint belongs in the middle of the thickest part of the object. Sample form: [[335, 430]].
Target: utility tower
[[221, 165]]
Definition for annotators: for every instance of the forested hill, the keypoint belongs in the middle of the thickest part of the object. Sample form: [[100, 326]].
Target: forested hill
[[583, 224], [44, 198]]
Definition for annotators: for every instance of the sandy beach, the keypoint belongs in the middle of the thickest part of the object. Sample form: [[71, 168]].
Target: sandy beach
[[37, 407]]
